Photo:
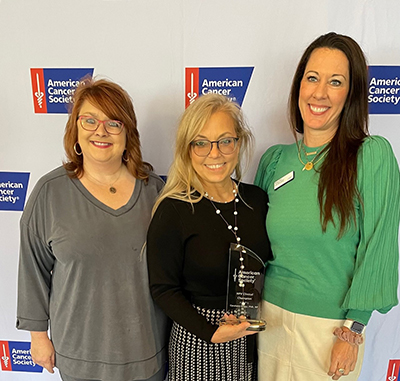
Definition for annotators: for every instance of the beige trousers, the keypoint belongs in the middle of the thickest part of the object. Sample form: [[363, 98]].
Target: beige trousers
[[298, 347]]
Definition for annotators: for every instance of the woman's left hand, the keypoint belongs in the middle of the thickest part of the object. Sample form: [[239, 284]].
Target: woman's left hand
[[233, 331], [344, 358]]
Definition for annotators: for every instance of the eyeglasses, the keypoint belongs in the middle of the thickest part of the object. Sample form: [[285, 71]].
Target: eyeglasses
[[89, 123], [203, 147]]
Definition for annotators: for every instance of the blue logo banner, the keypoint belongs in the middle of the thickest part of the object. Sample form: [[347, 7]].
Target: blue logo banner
[[384, 90], [13, 186], [229, 81], [53, 89], [16, 357]]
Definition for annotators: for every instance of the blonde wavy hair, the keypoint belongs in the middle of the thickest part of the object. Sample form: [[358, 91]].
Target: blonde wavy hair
[[183, 182]]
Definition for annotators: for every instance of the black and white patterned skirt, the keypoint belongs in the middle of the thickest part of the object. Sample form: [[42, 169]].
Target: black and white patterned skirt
[[193, 359]]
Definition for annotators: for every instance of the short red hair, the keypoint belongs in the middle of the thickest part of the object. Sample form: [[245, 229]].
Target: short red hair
[[116, 103]]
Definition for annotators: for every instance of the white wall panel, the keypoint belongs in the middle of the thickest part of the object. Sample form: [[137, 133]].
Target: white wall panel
[[145, 46]]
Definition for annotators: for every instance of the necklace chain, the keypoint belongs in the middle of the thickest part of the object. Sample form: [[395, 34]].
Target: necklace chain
[[310, 163], [111, 187], [235, 228]]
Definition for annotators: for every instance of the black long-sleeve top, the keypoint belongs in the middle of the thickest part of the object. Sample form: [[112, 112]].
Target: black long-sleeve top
[[188, 252]]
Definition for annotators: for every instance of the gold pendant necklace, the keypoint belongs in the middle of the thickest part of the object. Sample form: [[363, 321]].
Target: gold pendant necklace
[[111, 188], [308, 166], [310, 163]]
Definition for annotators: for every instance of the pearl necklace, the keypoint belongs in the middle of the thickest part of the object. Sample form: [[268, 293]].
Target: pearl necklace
[[241, 248], [235, 228]]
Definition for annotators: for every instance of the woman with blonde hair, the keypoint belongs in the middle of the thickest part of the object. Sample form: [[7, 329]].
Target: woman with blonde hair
[[199, 213]]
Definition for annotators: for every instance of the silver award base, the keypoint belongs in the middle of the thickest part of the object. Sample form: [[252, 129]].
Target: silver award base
[[257, 325]]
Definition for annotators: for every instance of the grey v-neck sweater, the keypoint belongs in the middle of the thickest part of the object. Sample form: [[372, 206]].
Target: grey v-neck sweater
[[81, 270]]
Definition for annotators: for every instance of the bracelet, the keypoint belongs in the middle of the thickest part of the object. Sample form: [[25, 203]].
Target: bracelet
[[349, 336]]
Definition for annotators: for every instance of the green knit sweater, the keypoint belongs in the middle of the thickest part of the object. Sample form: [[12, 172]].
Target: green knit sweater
[[315, 273]]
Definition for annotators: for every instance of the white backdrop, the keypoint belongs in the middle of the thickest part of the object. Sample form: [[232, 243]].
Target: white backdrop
[[145, 46]]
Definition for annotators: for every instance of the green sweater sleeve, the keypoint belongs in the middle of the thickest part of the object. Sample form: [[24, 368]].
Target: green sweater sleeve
[[266, 167], [374, 284]]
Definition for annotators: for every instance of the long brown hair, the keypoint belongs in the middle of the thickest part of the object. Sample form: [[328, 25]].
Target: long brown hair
[[337, 187], [115, 102]]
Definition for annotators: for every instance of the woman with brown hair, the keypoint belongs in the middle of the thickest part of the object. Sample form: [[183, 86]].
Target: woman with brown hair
[[333, 222], [81, 270]]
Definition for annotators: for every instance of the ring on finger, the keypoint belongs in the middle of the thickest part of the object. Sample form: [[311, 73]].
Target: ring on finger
[[341, 370]]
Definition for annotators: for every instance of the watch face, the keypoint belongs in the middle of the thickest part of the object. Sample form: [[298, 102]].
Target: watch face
[[357, 327]]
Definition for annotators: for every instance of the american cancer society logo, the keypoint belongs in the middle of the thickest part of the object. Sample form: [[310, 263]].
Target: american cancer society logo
[[384, 90], [16, 357], [52, 89], [393, 373], [229, 81], [13, 186]]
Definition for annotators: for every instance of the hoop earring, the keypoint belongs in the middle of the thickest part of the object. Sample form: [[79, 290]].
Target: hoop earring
[[76, 151], [126, 159]]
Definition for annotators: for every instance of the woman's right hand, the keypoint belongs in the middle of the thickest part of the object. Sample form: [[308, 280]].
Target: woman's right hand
[[42, 350], [229, 332]]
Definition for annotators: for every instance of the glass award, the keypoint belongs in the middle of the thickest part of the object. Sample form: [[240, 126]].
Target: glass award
[[244, 288]]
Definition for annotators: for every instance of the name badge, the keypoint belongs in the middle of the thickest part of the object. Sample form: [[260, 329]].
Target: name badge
[[283, 180]]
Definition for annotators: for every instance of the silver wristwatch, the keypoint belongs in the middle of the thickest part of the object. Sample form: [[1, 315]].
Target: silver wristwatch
[[355, 326]]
